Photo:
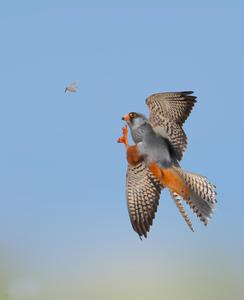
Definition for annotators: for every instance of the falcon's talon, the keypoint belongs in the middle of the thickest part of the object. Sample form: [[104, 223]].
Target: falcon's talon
[[124, 139], [125, 130]]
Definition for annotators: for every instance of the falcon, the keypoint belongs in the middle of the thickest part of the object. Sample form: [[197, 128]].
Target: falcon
[[153, 162]]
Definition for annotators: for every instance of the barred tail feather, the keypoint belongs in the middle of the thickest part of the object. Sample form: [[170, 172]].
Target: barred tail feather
[[181, 208], [202, 196]]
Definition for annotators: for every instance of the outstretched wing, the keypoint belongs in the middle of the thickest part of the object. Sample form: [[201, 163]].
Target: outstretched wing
[[167, 113], [173, 106], [174, 133], [143, 193]]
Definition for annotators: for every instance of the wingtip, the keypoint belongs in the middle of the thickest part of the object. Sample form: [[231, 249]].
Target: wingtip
[[187, 92], [189, 95]]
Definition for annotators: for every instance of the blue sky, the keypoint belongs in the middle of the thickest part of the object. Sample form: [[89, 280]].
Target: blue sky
[[63, 174]]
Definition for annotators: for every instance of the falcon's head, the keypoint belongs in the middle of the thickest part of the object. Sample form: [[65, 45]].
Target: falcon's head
[[138, 124], [134, 119]]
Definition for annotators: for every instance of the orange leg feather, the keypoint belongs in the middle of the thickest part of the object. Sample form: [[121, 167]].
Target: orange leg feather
[[168, 178]]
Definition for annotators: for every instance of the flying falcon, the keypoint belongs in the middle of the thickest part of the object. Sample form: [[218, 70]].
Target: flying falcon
[[153, 162]]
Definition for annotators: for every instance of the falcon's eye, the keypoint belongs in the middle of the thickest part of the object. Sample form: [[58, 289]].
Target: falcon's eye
[[132, 115]]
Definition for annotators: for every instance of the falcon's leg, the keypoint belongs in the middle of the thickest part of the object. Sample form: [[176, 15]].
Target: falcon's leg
[[132, 153], [170, 179], [124, 139], [175, 183]]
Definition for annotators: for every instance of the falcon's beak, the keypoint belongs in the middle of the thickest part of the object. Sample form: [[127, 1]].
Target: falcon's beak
[[126, 118]]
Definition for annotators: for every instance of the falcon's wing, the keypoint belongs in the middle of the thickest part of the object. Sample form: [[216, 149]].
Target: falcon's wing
[[167, 113], [173, 106], [143, 193]]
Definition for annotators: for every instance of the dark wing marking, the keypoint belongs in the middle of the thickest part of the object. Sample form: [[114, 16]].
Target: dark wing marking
[[143, 193]]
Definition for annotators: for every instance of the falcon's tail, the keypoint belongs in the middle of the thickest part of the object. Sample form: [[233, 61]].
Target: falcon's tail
[[181, 208], [195, 189]]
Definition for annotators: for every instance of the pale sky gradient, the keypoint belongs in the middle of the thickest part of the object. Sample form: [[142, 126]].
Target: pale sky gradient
[[62, 175]]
